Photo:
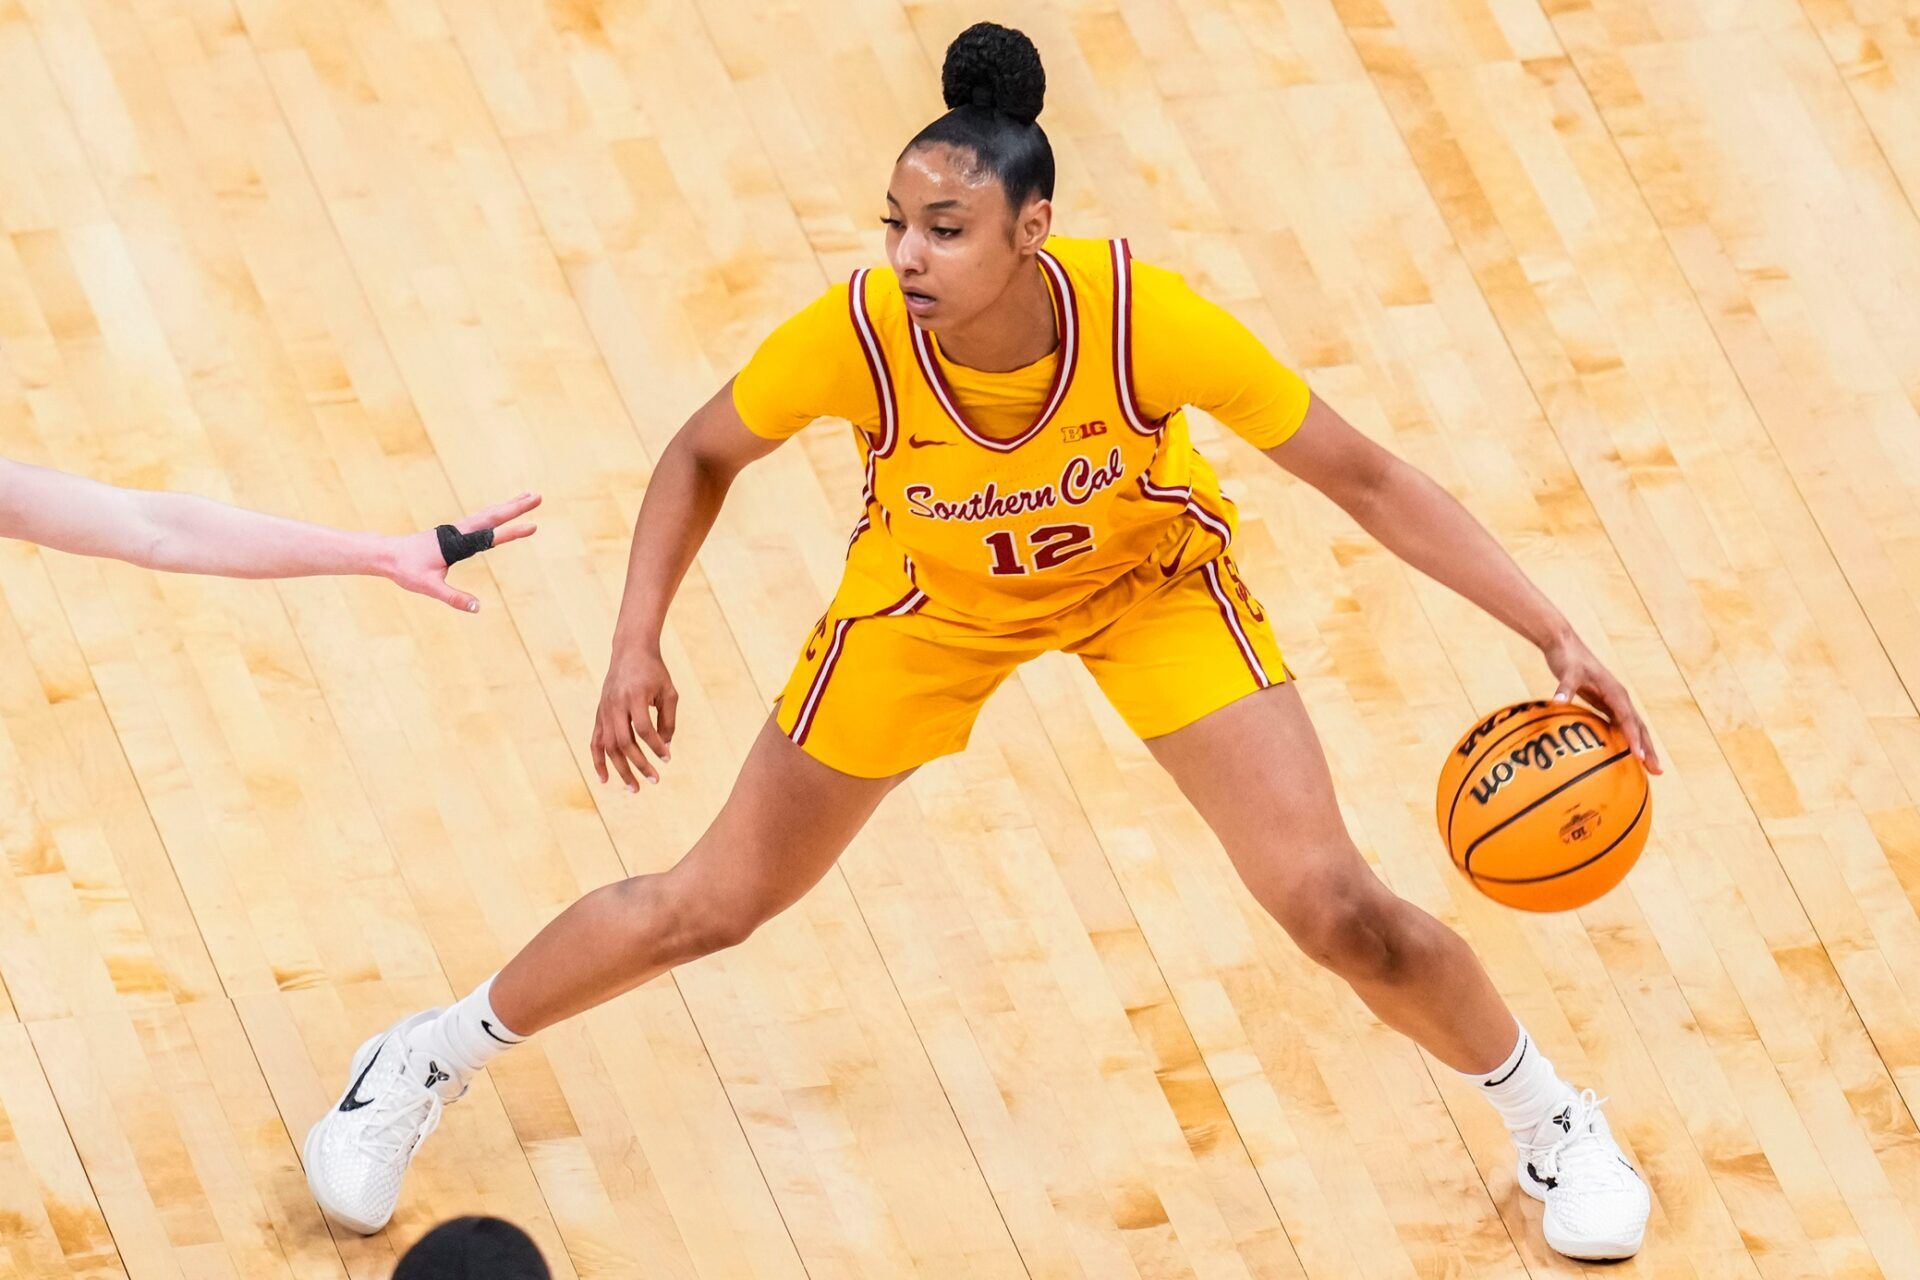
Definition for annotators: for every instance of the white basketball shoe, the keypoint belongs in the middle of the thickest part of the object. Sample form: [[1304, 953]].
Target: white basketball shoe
[[1597, 1205], [359, 1151]]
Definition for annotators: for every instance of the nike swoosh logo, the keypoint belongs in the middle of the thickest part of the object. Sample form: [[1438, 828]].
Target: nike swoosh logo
[[1168, 570], [488, 1028], [353, 1101], [917, 443]]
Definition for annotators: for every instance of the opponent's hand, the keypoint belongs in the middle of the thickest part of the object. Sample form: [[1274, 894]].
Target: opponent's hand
[[1582, 674], [636, 706], [416, 563]]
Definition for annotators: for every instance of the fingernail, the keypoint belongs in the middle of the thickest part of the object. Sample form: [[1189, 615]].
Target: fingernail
[[654, 779], [632, 788], [473, 606]]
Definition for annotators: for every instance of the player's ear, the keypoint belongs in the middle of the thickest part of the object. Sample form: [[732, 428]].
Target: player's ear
[[1032, 225]]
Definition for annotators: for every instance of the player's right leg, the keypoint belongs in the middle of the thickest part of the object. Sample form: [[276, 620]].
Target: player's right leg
[[787, 820]]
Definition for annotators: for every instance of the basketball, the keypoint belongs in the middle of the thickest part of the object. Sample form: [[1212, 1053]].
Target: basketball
[[1544, 806]]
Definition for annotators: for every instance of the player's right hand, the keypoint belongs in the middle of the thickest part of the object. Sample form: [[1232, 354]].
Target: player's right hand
[[636, 706]]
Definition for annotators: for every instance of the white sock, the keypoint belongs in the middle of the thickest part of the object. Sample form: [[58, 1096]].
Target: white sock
[[1525, 1088], [466, 1036]]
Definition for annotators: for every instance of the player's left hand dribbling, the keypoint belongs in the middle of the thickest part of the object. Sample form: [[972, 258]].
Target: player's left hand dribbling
[[1583, 675]]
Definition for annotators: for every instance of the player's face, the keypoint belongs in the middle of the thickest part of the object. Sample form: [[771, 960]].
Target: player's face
[[953, 239]]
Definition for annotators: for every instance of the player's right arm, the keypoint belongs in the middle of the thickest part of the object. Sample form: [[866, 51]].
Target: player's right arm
[[683, 499], [808, 368]]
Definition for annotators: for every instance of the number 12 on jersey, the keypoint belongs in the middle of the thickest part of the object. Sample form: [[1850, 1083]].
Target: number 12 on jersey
[[1053, 545]]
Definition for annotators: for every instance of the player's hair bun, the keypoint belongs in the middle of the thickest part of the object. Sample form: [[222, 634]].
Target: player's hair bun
[[994, 86], [995, 67]]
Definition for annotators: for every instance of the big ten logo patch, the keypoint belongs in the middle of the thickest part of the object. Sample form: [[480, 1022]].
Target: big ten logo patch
[[1084, 431], [1238, 586]]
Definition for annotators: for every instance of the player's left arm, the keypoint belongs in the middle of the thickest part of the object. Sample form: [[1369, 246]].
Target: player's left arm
[[185, 533], [1424, 525]]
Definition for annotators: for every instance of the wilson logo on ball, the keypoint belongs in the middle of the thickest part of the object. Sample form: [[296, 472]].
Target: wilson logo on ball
[[1540, 752]]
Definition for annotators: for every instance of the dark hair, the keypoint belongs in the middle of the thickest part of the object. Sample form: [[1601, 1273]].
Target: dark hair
[[994, 84], [473, 1249]]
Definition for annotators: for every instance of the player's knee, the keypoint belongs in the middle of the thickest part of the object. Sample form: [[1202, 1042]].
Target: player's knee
[[716, 923], [1358, 929], [675, 918], [715, 917]]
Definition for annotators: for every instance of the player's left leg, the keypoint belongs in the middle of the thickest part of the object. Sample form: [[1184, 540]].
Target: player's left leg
[[1195, 671], [1255, 772]]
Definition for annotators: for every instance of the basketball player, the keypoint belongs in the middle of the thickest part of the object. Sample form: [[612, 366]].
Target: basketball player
[[1030, 485], [188, 534]]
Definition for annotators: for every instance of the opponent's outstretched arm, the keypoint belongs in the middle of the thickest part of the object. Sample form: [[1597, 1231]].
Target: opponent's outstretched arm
[[185, 533]]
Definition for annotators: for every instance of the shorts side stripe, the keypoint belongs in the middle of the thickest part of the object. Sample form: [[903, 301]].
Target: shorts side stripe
[[803, 725], [1211, 571]]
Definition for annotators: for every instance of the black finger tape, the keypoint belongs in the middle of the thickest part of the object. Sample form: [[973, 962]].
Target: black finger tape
[[456, 546]]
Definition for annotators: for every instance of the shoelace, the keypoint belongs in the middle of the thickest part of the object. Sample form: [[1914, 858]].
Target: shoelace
[[405, 1123], [1579, 1152]]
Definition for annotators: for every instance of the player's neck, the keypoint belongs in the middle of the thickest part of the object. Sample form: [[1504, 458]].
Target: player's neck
[[1018, 329]]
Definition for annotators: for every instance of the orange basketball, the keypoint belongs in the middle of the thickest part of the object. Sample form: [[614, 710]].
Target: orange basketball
[[1544, 806]]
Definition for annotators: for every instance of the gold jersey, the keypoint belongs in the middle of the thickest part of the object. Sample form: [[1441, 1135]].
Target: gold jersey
[[1062, 495]]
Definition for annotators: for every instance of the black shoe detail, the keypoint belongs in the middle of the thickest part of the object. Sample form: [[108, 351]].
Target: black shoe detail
[[1490, 1084], [435, 1075], [353, 1101], [1548, 1183], [1565, 1119], [488, 1028]]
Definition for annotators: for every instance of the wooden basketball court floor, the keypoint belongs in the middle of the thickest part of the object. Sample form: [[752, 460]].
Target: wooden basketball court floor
[[1636, 279]]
